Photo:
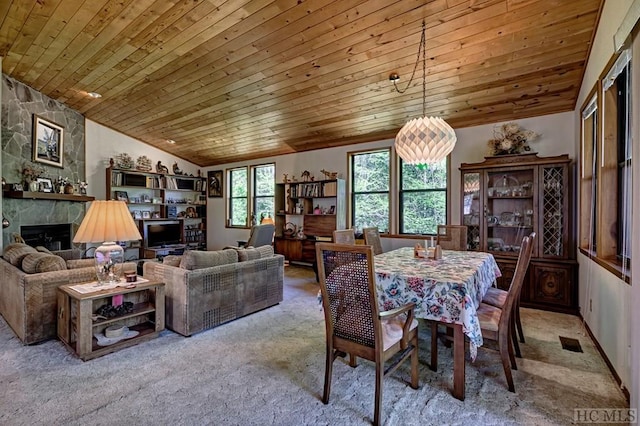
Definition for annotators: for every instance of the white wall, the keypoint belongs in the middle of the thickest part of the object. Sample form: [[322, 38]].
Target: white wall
[[103, 143], [609, 297], [557, 137]]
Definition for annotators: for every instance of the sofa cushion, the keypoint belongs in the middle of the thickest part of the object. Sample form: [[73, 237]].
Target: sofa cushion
[[80, 263], [194, 259], [34, 263], [43, 249], [15, 252], [172, 260], [255, 253]]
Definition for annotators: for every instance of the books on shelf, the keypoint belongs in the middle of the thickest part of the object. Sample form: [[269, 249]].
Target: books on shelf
[[314, 189]]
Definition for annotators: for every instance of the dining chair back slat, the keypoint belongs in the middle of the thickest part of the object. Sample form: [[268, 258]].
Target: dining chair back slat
[[372, 238], [452, 237]]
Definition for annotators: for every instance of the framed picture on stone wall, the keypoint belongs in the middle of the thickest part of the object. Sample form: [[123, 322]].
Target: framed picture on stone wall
[[48, 138]]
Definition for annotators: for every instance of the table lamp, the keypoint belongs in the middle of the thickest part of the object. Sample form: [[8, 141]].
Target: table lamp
[[107, 222]]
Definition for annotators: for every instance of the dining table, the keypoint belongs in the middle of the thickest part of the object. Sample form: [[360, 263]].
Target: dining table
[[447, 290]]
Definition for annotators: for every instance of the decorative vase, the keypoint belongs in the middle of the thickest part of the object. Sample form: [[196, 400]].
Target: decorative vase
[[34, 186], [68, 188]]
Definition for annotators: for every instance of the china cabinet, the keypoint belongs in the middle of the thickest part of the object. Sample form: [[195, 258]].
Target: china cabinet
[[506, 198]]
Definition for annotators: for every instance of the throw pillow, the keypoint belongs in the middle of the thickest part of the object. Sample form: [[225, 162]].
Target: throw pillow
[[15, 252], [34, 263], [255, 253], [194, 259], [43, 249]]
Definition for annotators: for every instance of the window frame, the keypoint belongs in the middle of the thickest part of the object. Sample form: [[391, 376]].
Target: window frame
[[353, 194], [230, 197], [402, 191], [254, 193], [609, 195], [394, 192]]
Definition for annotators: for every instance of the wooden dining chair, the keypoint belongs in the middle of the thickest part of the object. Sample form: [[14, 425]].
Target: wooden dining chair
[[354, 324], [452, 237], [372, 238], [344, 236], [495, 323], [498, 297]]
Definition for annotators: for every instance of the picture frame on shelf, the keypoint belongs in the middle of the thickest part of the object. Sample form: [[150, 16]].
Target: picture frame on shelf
[[332, 210], [146, 214], [48, 142], [122, 196], [137, 214], [45, 185], [215, 183]]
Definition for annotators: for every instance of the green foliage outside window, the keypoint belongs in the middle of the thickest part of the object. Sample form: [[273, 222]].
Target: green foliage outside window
[[238, 205], [423, 198]]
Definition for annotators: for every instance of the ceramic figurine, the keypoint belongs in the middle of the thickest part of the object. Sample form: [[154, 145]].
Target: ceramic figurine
[[176, 169], [160, 168]]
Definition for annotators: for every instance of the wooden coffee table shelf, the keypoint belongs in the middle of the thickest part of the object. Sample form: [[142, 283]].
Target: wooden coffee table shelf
[[76, 327]]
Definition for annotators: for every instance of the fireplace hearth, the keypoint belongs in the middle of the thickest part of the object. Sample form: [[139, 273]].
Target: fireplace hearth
[[53, 237]]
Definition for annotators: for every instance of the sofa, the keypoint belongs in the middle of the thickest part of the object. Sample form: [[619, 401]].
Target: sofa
[[204, 289], [30, 278]]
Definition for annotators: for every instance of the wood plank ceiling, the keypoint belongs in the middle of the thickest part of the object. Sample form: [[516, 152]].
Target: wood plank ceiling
[[232, 80]]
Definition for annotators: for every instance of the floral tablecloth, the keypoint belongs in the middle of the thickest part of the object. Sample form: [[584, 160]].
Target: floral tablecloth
[[448, 290]]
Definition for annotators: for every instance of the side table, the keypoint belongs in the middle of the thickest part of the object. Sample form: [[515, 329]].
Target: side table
[[77, 328]]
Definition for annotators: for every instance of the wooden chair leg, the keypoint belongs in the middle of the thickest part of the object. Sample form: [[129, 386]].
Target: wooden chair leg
[[434, 346], [328, 369], [353, 360], [514, 337], [518, 322], [512, 359], [504, 355], [378, 402]]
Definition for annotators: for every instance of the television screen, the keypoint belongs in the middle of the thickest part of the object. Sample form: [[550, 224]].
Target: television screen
[[165, 234]]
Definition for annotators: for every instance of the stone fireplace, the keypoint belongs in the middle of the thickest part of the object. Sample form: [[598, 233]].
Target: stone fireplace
[[19, 104], [53, 237]]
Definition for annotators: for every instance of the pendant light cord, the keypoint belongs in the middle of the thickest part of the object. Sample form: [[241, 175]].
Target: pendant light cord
[[422, 48]]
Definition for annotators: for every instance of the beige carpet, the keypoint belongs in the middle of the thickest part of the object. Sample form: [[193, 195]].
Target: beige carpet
[[268, 369]]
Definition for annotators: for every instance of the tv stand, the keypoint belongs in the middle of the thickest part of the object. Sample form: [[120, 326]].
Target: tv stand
[[155, 252]]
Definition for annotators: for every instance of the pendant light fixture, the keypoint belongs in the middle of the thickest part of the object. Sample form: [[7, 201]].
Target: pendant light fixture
[[425, 140]]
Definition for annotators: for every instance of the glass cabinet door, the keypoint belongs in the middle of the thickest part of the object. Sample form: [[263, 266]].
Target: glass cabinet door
[[510, 212], [471, 208], [554, 192]]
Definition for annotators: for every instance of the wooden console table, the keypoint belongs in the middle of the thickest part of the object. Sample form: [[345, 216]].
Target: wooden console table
[[77, 329]]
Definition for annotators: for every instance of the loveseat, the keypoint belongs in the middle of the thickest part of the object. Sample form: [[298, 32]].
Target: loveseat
[[204, 289], [28, 284]]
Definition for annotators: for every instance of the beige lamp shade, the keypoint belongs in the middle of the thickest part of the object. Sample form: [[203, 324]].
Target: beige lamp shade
[[425, 140], [107, 221]]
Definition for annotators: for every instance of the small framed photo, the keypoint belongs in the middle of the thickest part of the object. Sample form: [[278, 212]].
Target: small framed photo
[[156, 215], [16, 187], [332, 210], [45, 185], [146, 214], [122, 196], [214, 179], [48, 138], [146, 198], [137, 214]]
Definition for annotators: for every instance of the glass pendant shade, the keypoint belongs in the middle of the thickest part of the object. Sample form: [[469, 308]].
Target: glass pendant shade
[[108, 222], [426, 140]]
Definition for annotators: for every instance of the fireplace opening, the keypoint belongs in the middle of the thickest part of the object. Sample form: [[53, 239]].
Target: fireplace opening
[[53, 237]]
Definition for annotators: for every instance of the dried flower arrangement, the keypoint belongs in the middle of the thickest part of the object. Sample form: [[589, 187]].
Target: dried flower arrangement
[[30, 172], [509, 138]]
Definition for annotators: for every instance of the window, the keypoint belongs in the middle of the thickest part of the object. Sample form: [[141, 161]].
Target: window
[[605, 181], [238, 197], [370, 180], [588, 175], [263, 191], [423, 197], [412, 201], [615, 164]]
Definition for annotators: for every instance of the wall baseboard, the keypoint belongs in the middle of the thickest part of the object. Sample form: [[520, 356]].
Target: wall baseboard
[[625, 391]]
